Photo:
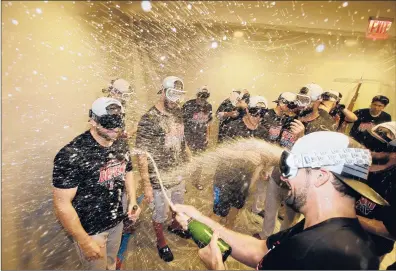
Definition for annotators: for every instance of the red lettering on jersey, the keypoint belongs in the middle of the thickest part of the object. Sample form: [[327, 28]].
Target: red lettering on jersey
[[365, 126]]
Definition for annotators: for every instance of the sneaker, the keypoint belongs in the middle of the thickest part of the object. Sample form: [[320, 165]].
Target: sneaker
[[180, 232], [165, 253]]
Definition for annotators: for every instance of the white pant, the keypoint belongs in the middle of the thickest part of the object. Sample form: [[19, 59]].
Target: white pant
[[161, 206], [111, 239], [275, 196]]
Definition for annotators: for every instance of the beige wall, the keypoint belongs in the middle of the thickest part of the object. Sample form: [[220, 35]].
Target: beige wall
[[46, 94], [270, 72]]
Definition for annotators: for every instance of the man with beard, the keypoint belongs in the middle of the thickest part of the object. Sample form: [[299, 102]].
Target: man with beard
[[89, 177], [369, 117], [283, 130], [232, 179], [324, 184], [380, 221], [161, 134], [197, 115], [231, 109]]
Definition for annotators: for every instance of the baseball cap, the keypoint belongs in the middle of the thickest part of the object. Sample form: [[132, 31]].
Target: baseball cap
[[203, 89], [100, 106], [380, 98], [108, 112], [258, 101], [203, 92], [286, 97], [312, 90], [336, 152], [121, 85], [173, 87], [331, 95]]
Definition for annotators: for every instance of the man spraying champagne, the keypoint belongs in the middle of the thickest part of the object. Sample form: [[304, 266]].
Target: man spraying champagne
[[323, 185]]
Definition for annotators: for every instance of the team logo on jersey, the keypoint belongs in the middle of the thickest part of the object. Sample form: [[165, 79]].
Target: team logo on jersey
[[365, 206], [365, 126], [112, 171], [274, 132], [288, 139], [200, 117]]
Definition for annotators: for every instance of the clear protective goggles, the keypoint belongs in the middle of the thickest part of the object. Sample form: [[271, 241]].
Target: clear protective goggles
[[330, 97], [303, 100], [126, 96], [259, 110], [384, 134], [290, 162], [174, 95]]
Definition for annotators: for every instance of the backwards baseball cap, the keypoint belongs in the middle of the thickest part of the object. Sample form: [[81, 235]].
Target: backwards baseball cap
[[380, 98], [312, 90], [173, 87], [336, 153], [108, 112]]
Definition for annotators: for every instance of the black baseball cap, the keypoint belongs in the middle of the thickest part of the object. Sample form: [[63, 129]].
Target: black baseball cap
[[380, 98]]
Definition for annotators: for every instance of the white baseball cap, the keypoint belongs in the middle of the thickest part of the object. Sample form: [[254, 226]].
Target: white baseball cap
[[203, 89], [173, 87], [312, 90], [331, 95], [121, 85], [100, 106], [335, 152], [391, 126], [255, 101]]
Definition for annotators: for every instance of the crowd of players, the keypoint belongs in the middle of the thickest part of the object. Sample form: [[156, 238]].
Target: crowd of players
[[95, 193]]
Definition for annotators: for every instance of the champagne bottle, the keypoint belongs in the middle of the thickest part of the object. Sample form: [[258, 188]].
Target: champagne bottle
[[202, 234]]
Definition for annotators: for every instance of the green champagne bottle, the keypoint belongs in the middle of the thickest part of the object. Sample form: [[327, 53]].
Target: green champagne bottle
[[202, 234]]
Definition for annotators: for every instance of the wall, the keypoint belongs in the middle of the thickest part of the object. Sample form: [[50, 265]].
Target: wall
[[268, 72], [56, 62]]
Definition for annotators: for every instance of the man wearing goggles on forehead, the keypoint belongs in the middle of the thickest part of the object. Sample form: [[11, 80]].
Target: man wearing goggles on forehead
[[161, 133], [324, 181], [197, 115], [89, 178]]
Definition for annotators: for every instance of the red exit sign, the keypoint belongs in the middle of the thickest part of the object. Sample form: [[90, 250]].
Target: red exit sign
[[378, 28]]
